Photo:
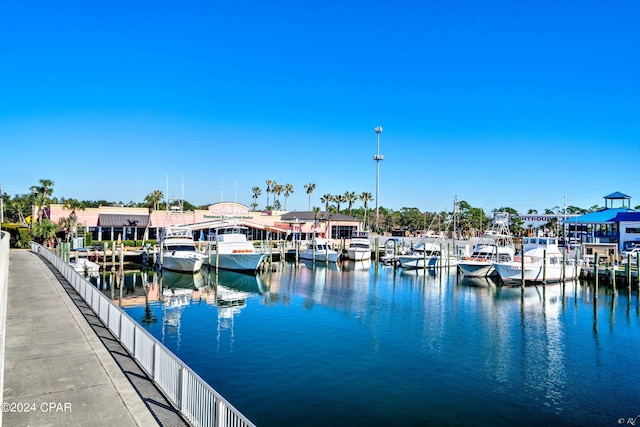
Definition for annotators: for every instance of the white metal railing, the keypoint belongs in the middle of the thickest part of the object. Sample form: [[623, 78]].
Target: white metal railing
[[4, 288], [196, 400]]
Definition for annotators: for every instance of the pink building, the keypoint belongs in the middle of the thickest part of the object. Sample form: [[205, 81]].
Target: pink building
[[112, 223]]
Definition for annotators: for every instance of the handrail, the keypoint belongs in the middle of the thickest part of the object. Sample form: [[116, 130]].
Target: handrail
[[196, 400], [4, 286]]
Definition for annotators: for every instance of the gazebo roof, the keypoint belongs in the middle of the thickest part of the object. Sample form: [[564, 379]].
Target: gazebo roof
[[617, 195]]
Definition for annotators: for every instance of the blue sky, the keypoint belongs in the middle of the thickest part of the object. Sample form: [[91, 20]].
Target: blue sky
[[518, 104]]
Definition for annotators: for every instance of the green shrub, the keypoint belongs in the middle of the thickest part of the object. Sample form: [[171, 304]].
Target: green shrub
[[19, 235]]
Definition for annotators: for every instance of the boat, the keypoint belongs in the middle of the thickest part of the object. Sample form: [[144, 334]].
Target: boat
[[178, 250], [542, 261], [495, 245], [392, 248], [229, 249], [86, 267], [431, 252], [359, 248], [319, 250]]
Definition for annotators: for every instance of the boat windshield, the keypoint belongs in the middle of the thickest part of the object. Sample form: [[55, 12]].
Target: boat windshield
[[182, 248]]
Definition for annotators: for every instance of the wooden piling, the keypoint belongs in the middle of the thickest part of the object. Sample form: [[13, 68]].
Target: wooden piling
[[544, 266], [596, 274], [522, 264], [217, 257]]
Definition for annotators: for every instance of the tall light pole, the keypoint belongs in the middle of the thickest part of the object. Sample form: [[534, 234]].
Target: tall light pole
[[377, 158]]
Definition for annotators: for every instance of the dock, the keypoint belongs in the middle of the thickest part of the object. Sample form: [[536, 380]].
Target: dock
[[61, 364]]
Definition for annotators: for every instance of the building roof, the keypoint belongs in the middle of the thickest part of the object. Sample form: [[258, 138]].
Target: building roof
[[631, 216], [307, 216], [603, 216], [123, 220]]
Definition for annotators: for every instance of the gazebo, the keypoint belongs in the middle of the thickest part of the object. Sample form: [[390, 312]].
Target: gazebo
[[617, 196]]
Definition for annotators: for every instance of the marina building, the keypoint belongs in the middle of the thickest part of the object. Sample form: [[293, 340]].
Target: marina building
[[617, 223], [112, 223]]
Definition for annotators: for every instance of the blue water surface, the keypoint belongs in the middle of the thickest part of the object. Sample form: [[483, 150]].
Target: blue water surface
[[361, 345]]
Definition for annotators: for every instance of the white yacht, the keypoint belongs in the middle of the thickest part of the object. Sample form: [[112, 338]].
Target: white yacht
[[429, 253], [320, 250], [178, 250], [359, 248], [229, 249], [495, 245], [541, 260]]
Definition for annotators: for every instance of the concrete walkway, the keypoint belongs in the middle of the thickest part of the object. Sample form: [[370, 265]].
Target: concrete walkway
[[57, 370]]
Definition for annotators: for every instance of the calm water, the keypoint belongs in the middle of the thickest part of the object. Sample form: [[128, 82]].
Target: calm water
[[353, 346]]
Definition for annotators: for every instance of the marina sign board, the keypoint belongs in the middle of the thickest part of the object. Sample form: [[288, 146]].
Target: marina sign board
[[537, 220], [228, 210]]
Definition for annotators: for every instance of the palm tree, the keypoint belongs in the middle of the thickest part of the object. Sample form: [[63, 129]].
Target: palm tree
[[152, 199], [41, 195], [326, 199], [70, 223], [277, 189], [269, 186], [350, 197], [310, 187], [256, 193], [288, 190], [339, 199], [366, 197], [316, 214]]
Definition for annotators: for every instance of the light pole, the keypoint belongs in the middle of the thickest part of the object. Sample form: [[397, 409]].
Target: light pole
[[377, 158]]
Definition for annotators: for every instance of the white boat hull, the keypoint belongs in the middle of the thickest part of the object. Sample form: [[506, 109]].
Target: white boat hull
[[358, 254], [237, 262], [471, 268], [320, 256], [419, 261], [512, 272], [187, 262]]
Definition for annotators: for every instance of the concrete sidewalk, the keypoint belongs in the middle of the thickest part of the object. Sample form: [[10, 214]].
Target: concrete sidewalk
[[57, 370]]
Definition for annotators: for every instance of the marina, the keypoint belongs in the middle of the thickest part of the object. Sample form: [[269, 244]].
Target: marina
[[373, 344]]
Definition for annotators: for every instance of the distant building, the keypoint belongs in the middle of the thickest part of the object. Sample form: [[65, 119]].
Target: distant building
[[112, 223]]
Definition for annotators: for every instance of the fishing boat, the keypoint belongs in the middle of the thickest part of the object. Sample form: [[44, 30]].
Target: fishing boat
[[495, 245], [540, 260], [178, 250], [359, 248], [431, 252], [229, 249], [319, 250]]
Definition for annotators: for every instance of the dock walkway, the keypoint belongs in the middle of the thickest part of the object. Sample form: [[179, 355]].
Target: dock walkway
[[62, 366]]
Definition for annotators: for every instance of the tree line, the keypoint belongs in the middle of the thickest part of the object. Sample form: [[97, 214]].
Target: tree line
[[466, 219]]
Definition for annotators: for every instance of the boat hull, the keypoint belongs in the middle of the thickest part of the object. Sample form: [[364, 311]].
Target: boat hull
[[358, 254], [237, 262], [418, 261], [512, 272], [320, 256], [189, 263], [477, 268]]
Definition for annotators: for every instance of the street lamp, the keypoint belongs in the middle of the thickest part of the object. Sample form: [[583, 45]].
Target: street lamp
[[378, 157]]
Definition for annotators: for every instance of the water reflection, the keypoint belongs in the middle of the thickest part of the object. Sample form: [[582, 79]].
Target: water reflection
[[426, 338]]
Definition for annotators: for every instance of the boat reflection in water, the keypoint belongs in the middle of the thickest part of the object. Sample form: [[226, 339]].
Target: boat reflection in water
[[478, 282], [357, 265], [251, 283]]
